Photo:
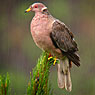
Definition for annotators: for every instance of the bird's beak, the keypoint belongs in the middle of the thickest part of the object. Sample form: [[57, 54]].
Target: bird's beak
[[28, 10]]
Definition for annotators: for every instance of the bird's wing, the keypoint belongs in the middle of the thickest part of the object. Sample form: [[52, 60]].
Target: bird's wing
[[63, 39]]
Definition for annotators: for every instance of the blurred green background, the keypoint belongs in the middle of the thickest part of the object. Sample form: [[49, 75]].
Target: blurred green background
[[19, 54]]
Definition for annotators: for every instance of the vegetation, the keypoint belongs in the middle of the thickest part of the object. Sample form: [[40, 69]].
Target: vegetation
[[4, 85], [39, 82]]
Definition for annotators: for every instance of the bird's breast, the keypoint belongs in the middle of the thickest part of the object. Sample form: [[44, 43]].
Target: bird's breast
[[40, 29]]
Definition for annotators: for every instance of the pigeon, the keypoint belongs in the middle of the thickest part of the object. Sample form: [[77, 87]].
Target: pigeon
[[53, 36]]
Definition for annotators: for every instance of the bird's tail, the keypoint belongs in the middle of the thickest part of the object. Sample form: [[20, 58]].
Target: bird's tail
[[74, 57], [64, 79]]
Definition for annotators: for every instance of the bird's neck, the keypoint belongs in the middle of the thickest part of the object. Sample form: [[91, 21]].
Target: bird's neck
[[40, 15]]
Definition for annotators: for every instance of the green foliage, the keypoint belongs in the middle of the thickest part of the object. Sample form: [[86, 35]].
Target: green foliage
[[39, 83], [4, 84]]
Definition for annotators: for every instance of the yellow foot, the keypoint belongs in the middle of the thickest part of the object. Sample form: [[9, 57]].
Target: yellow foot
[[50, 58], [54, 61]]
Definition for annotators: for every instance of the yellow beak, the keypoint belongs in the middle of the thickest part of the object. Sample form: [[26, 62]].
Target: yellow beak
[[28, 10]]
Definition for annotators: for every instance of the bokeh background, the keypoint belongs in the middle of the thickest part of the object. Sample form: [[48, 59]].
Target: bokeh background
[[19, 54]]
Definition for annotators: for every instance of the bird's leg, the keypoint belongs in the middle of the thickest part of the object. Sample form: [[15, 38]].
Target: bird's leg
[[52, 57]]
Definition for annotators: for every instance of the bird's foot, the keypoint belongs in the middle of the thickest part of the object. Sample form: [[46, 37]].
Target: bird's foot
[[50, 58], [55, 59]]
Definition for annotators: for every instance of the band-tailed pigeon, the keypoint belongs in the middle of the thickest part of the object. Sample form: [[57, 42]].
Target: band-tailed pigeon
[[53, 36]]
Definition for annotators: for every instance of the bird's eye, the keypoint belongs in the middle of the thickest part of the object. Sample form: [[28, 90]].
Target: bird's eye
[[35, 6]]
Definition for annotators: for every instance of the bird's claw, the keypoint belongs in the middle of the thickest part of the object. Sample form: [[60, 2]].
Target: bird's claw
[[54, 58], [54, 61], [50, 58]]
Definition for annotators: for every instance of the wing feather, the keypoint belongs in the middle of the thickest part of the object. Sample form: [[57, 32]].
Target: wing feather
[[63, 37], [64, 40]]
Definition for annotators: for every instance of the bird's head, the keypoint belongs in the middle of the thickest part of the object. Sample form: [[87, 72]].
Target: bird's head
[[37, 7]]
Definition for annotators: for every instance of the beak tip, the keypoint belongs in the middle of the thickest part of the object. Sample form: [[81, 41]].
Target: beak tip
[[28, 10]]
